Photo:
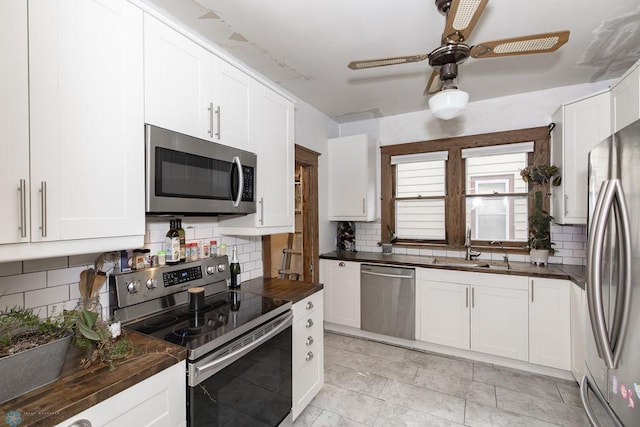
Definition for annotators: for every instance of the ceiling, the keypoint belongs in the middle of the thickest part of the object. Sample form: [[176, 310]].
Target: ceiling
[[305, 46]]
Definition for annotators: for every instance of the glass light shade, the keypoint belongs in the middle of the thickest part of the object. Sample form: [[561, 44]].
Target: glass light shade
[[448, 103]]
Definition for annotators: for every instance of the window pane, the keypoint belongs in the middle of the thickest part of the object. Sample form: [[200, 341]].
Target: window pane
[[505, 167], [420, 179], [420, 219], [497, 218]]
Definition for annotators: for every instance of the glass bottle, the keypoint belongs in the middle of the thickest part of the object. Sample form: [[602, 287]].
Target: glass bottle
[[90, 304], [234, 270], [183, 242], [172, 244]]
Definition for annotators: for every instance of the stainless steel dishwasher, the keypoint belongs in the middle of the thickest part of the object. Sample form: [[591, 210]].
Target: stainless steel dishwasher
[[387, 300]]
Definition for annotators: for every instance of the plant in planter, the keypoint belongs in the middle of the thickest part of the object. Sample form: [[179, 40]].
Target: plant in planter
[[539, 241], [32, 350]]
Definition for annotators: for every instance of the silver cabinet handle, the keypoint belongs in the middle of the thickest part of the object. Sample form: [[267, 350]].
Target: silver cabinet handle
[[261, 210], [309, 323], [309, 341], [566, 203], [81, 423], [364, 206], [393, 276], [466, 298], [309, 356], [218, 114], [23, 207], [341, 264], [531, 290], [473, 297], [236, 202], [309, 305], [43, 208], [210, 109]]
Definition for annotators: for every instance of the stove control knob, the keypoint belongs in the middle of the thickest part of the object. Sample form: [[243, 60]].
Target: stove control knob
[[133, 286], [211, 269], [221, 268], [151, 283]]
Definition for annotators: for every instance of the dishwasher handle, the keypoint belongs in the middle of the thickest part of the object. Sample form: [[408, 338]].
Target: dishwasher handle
[[395, 276]]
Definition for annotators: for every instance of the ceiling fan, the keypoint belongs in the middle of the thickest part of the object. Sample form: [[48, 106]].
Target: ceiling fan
[[461, 18]]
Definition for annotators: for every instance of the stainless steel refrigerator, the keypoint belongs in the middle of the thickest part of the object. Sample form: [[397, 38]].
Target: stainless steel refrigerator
[[610, 389]]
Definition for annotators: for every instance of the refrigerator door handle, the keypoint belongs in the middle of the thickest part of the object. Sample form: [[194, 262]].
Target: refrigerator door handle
[[585, 385], [594, 272], [623, 305]]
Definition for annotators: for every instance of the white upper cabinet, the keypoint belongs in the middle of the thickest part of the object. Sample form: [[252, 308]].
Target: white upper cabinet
[[626, 99], [580, 125], [178, 82], [272, 130], [190, 90], [14, 122], [84, 184], [352, 178]]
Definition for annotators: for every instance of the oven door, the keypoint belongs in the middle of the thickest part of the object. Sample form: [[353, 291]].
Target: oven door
[[192, 176], [245, 383]]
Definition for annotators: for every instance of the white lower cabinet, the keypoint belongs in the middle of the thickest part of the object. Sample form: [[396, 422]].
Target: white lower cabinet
[[473, 311], [577, 331], [159, 400], [341, 281], [550, 322], [308, 351]]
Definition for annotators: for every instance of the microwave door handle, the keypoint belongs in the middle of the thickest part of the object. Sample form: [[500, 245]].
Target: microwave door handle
[[238, 198], [594, 297], [624, 283]]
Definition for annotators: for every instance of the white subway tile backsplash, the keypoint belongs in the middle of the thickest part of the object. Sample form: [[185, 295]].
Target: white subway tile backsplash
[[65, 276], [23, 283], [10, 268], [80, 260], [45, 297], [32, 266], [9, 301]]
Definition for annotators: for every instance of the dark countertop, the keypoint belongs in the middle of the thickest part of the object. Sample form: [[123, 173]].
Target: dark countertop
[[575, 273], [281, 288], [78, 389]]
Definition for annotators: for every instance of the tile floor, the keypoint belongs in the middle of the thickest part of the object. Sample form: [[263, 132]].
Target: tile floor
[[373, 384]]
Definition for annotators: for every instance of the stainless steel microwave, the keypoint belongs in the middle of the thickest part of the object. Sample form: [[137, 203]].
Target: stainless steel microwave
[[192, 176]]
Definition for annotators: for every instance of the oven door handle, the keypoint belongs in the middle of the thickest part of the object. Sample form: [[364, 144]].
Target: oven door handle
[[220, 363]]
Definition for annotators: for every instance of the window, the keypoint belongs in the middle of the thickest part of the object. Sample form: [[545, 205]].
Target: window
[[433, 190]]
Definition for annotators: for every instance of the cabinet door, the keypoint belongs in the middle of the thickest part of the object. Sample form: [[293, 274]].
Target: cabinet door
[[499, 323], [232, 94], [550, 322], [342, 292], [14, 122], [583, 125], [178, 82], [443, 313], [577, 331], [626, 100], [86, 107], [352, 183]]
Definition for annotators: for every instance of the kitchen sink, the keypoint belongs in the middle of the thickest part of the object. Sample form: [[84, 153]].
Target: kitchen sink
[[448, 262]]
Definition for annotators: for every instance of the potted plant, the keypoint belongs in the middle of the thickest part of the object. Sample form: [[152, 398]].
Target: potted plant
[[32, 350], [539, 240], [387, 247]]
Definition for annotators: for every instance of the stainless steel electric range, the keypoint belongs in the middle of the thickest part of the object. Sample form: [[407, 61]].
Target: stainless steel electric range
[[238, 343]]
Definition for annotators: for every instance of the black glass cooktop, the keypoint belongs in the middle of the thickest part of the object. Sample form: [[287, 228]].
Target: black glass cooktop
[[225, 314]]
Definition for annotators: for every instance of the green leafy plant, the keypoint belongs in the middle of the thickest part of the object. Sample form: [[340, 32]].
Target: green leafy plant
[[21, 329], [540, 220]]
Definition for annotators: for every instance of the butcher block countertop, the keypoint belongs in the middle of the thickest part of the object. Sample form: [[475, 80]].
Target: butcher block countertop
[[78, 389], [575, 273]]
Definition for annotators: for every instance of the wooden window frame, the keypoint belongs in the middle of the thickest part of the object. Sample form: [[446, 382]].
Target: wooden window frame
[[455, 181]]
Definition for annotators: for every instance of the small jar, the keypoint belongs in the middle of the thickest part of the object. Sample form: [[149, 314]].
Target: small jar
[[205, 250], [222, 249], [90, 304], [162, 258], [213, 250]]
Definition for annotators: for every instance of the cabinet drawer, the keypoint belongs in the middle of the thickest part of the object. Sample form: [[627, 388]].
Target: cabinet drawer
[[307, 305], [308, 326]]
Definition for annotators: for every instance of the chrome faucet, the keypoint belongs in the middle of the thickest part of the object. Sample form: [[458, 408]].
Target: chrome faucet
[[505, 258], [467, 244]]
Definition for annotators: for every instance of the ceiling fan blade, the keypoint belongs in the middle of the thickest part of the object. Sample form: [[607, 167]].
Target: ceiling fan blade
[[434, 84], [461, 18], [535, 43], [370, 63]]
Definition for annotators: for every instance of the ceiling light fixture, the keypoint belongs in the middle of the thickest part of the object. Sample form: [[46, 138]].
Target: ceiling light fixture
[[449, 101]]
